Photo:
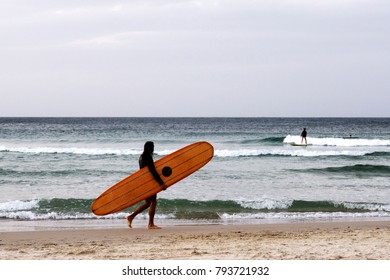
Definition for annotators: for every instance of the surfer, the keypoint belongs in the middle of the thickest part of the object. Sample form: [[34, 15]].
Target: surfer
[[146, 159], [303, 135]]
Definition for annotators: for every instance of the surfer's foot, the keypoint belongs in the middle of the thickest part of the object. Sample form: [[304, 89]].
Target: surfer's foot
[[129, 221], [153, 227]]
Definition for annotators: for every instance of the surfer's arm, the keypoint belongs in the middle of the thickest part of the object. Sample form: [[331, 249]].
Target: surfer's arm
[[148, 161], [156, 176]]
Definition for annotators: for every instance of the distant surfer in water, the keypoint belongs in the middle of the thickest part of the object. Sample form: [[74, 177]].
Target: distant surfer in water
[[146, 159], [303, 135]]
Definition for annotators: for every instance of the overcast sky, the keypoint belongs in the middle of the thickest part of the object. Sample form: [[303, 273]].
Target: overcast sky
[[205, 58]]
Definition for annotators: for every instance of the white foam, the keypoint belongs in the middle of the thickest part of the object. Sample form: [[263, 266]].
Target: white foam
[[22, 212], [29, 215], [70, 150], [311, 151], [339, 142], [77, 150], [287, 152], [240, 152], [367, 206], [302, 216], [266, 203], [18, 205]]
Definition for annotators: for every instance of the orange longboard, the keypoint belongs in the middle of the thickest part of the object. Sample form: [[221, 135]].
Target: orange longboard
[[141, 185]]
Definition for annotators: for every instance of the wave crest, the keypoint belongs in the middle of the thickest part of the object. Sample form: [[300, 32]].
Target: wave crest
[[79, 209], [339, 142]]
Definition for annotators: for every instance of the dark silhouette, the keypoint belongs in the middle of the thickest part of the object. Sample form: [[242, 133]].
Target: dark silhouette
[[303, 135], [146, 159]]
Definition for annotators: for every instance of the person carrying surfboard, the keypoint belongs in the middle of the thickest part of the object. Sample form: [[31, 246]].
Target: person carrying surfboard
[[146, 159], [303, 135]]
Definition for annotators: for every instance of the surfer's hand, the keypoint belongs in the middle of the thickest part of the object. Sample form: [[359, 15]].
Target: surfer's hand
[[164, 187]]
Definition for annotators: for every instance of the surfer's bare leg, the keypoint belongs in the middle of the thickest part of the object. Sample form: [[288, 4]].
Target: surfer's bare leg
[[140, 209], [152, 211]]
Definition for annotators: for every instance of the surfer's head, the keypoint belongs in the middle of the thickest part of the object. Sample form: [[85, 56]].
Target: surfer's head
[[149, 147]]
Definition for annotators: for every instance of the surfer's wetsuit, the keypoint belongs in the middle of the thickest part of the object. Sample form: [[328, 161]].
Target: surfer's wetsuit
[[147, 160], [303, 135]]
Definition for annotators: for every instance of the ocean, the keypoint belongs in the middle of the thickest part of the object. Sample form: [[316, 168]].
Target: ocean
[[51, 170]]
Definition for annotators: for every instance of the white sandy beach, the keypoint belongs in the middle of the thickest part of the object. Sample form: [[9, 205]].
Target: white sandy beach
[[297, 241]]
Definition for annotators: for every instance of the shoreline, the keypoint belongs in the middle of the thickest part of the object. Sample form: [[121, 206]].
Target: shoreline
[[348, 240], [12, 225]]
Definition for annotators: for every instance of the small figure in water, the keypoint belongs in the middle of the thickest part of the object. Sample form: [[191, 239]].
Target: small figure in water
[[303, 135]]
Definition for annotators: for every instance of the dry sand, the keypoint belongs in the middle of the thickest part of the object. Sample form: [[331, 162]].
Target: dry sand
[[298, 241]]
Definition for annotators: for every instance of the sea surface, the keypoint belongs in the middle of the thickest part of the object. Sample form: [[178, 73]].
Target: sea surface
[[51, 170]]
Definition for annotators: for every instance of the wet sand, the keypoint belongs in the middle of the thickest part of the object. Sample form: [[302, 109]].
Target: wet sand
[[293, 241]]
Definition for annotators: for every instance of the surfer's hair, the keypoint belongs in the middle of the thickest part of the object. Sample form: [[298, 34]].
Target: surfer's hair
[[149, 147]]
